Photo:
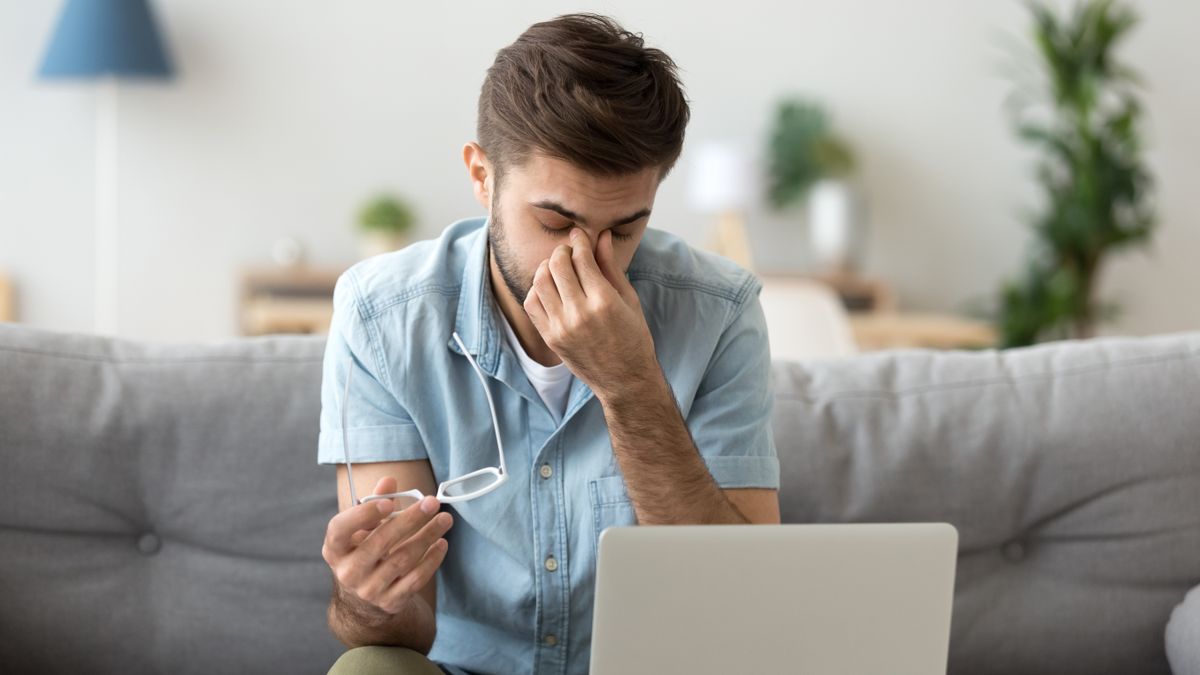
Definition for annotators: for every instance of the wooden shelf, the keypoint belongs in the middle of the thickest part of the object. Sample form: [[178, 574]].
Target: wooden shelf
[[898, 330], [8, 307], [296, 299], [876, 321], [858, 294]]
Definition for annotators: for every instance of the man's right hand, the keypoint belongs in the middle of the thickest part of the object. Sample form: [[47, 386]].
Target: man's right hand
[[382, 567]]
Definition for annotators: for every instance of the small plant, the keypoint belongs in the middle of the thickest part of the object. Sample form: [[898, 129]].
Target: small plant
[[386, 214], [1096, 189], [801, 151]]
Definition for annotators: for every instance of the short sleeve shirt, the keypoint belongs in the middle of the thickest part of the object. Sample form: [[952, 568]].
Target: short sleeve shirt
[[515, 592]]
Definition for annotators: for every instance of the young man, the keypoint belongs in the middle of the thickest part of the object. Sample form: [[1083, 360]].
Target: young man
[[630, 374]]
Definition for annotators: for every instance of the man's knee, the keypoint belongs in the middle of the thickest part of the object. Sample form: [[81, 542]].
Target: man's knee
[[377, 660]]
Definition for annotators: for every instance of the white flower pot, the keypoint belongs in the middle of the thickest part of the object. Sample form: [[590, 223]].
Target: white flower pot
[[834, 225], [376, 243]]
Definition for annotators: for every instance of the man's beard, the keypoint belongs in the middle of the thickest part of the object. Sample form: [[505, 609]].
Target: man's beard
[[498, 243]]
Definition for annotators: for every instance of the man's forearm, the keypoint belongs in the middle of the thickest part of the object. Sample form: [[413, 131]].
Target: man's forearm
[[356, 626], [667, 479]]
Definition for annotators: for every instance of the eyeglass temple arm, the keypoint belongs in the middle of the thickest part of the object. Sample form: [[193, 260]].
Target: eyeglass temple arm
[[487, 392], [345, 442]]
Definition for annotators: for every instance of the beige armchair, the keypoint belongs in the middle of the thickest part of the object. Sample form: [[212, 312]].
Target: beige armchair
[[805, 319]]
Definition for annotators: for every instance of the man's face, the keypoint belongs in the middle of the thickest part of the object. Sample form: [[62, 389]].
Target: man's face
[[537, 203]]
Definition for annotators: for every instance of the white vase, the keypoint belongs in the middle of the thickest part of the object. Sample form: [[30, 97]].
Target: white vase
[[834, 226], [373, 243]]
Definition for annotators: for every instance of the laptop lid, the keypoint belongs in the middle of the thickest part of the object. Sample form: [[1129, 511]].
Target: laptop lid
[[829, 599]]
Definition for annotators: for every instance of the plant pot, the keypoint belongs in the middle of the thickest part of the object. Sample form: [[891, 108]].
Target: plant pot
[[373, 243], [835, 230]]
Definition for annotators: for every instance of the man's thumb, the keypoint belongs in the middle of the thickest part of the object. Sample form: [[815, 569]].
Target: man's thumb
[[386, 485]]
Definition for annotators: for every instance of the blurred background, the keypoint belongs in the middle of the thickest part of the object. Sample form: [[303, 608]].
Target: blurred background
[[866, 145]]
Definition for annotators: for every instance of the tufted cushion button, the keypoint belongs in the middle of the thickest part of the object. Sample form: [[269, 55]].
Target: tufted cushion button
[[1013, 551], [149, 543]]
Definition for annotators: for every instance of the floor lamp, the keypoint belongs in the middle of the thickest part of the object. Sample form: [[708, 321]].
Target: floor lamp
[[105, 41], [721, 182]]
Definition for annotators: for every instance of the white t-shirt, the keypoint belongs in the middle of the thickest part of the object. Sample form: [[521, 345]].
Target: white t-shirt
[[553, 383]]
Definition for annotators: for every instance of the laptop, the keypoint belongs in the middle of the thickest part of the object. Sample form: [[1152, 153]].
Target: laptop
[[830, 599]]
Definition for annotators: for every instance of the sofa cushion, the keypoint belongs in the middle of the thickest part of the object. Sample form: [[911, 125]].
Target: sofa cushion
[[1071, 470], [161, 509]]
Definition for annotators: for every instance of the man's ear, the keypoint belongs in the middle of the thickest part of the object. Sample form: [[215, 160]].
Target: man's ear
[[479, 170]]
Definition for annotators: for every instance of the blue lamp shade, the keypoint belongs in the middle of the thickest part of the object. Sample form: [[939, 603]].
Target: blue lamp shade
[[95, 38]]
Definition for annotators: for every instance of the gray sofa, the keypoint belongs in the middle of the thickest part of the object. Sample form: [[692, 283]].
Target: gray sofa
[[161, 508]]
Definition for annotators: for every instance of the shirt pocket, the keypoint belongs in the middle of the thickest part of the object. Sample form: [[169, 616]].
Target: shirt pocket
[[611, 506]]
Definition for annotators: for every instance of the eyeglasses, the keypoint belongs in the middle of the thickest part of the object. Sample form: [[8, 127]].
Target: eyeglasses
[[461, 489]]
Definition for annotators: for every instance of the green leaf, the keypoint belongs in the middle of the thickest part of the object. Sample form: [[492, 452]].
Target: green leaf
[[386, 213], [802, 150]]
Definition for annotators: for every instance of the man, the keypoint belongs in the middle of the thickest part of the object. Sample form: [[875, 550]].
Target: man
[[630, 374]]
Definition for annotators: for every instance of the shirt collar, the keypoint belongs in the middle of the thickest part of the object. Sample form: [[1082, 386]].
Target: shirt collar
[[476, 321]]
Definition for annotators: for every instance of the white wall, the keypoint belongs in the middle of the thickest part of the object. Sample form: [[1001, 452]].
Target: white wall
[[285, 116]]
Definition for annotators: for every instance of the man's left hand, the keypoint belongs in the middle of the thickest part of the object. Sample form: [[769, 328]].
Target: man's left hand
[[589, 314]]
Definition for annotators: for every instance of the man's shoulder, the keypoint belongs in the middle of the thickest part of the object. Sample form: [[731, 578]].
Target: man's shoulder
[[667, 261], [431, 267]]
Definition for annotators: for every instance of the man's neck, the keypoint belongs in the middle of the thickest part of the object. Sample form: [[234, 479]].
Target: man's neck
[[531, 340]]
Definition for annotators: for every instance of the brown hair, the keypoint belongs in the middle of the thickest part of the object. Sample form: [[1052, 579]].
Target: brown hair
[[583, 89]]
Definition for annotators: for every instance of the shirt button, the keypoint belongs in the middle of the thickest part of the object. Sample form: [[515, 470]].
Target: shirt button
[[551, 564], [550, 641], [547, 471]]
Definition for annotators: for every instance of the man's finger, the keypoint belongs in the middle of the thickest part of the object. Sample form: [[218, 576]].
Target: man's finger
[[420, 575], [562, 271], [608, 265], [401, 527], [535, 310], [583, 256], [401, 560], [385, 485], [365, 516], [547, 291]]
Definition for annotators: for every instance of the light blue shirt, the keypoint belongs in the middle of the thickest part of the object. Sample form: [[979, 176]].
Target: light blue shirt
[[503, 607]]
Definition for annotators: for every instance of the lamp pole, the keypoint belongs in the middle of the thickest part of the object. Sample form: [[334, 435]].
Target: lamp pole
[[103, 41], [106, 217]]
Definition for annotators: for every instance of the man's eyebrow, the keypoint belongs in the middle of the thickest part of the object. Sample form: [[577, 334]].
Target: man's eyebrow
[[567, 213]]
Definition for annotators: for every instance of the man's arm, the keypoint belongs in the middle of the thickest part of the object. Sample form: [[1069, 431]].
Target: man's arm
[[411, 621], [667, 479], [356, 624], [590, 315]]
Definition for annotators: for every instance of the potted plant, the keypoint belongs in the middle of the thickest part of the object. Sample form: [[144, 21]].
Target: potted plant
[[1095, 186], [807, 163], [384, 224]]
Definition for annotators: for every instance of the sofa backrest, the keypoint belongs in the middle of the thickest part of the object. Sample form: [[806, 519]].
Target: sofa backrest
[[1071, 470]]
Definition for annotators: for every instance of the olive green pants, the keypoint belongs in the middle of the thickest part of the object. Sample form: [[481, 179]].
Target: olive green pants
[[376, 660]]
